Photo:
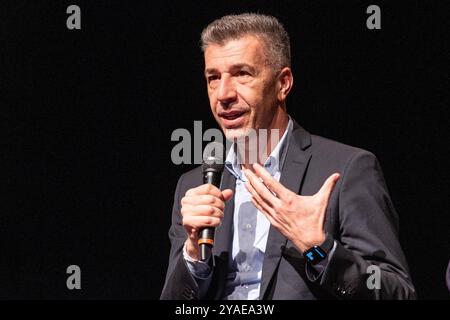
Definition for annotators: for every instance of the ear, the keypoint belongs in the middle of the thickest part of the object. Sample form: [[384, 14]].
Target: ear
[[285, 83]]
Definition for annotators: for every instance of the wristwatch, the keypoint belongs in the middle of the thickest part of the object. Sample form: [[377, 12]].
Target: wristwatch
[[318, 253]]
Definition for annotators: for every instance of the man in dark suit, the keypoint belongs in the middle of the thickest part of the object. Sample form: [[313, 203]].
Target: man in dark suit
[[309, 219]]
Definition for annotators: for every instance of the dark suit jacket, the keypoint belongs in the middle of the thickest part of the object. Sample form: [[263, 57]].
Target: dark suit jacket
[[360, 217]]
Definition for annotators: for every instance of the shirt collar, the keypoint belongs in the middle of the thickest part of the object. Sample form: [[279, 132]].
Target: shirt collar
[[274, 162]]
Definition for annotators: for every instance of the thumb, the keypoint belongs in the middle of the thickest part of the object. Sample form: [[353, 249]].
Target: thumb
[[328, 185], [227, 194]]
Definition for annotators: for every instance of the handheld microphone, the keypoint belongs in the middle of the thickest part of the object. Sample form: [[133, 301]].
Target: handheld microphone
[[212, 167]]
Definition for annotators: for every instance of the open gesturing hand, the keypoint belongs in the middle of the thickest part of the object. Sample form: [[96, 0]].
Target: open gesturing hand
[[299, 218]]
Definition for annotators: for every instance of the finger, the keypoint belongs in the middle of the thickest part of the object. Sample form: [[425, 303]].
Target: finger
[[205, 189], [270, 182], [328, 185], [200, 222], [201, 210], [261, 209], [253, 192], [262, 205], [261, 189], [192, 232], [203, 199], [227, 194]]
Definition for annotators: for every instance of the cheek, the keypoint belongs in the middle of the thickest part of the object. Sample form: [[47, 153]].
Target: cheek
[[251, 96], [259, 98], [212, 102]]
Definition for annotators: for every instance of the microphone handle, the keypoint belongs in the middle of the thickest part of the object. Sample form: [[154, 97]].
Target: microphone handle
[[206, 238], [212, 177]]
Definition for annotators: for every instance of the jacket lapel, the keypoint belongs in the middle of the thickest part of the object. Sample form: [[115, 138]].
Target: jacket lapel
[[224, 232], [293, 170], [223, 238]]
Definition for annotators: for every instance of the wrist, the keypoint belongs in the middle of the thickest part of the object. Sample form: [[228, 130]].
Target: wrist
[[305, 245], [317, 253], [192, 249]]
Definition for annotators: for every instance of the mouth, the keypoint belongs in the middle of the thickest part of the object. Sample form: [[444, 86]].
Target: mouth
[[233, 118]]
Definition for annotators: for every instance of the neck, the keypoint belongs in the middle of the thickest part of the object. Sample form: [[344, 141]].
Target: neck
[[257, 148]]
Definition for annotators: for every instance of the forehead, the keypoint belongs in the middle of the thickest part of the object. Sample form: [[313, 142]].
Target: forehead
[[246, 50]]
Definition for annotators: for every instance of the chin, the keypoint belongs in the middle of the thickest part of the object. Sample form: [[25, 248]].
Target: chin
[[233, 134]]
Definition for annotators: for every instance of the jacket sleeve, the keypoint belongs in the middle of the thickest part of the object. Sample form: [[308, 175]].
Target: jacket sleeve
[[179, 283], [368, 262]]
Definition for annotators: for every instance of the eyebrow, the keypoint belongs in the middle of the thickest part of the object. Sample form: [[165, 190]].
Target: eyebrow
[[234, 66]]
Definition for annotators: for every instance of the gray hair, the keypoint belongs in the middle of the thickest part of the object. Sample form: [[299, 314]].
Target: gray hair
[[268, 28]]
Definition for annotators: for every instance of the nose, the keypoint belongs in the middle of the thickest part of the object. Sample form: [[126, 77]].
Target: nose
[[227, 92]]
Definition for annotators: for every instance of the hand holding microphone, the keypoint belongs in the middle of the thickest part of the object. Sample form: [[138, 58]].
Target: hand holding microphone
[[202, 207]]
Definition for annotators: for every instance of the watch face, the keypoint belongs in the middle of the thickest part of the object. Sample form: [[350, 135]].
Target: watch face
[[314, 255]]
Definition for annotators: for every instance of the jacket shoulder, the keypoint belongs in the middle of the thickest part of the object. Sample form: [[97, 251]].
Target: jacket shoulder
[[190, 179], [335, 150]]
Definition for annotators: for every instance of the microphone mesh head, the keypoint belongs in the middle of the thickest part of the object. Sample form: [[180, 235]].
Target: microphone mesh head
[[213, 157]]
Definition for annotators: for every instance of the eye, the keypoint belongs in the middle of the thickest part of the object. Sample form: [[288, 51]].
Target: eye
[[212, 78], [243, 73]]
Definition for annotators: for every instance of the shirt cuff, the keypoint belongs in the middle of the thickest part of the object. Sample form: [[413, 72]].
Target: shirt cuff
[[199, 269]]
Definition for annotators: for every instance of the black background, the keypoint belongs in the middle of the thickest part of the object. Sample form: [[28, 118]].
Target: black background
[[87, 116]]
